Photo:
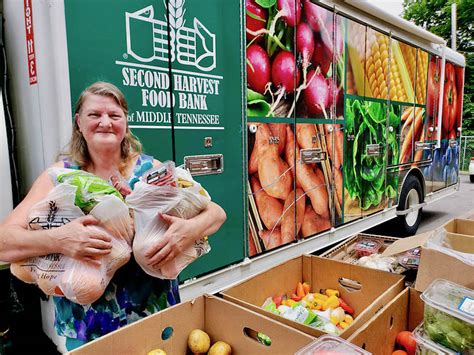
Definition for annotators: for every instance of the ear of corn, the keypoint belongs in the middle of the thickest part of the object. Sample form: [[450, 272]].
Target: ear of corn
[[402, 69], [416, 61], [421, 76], [356, 49], [373, 69]]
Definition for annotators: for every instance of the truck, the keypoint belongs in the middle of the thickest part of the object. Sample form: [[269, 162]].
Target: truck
[[307, 121]]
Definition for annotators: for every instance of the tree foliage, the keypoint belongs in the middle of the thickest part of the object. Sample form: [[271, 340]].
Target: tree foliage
[[435, 16]]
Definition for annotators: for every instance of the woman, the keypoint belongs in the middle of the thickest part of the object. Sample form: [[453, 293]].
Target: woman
[[102, 144]]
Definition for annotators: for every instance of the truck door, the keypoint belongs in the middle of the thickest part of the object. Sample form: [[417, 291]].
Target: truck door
[[206, 70], [180, 70]]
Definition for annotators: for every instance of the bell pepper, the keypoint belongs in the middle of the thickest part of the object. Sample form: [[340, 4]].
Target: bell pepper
[[306, 287], [320, 296], [345, 306], [348, 319], [343, 325], [330, 292], [296, 297], [337, 315], [300, 290], [332, 302]]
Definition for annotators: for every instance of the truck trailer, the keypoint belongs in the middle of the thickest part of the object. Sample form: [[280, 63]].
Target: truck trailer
[[307, 121]]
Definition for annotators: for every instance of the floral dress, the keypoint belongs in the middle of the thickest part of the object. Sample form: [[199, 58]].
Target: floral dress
[[131, 294]]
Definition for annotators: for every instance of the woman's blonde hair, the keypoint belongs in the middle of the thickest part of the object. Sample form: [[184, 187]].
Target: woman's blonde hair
[[78, 151]]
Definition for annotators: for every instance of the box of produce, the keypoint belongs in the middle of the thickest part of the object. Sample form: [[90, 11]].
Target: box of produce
[[390, 329], [330, 344], [426, 346], [449, 315], [317, 295], [206, 324], [349, 251]]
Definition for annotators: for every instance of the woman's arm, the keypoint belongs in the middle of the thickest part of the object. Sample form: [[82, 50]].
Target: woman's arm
[[182, 233], [74, 239]]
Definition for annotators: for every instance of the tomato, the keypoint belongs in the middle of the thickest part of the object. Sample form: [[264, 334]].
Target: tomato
[[407, 341], [450, 105], [399, 352], [256, 19], [433, 86], [449, 72]]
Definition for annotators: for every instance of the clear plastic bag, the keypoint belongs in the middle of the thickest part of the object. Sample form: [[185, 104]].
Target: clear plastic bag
[[59, 275], [449, 243], [185, 201], [91, 189]]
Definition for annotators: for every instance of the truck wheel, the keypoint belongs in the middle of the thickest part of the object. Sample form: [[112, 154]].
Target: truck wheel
[[471, 177], [411, 195]]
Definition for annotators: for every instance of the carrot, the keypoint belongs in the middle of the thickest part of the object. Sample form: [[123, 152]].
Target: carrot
[[407, 114], [407, 146], [338, 185]]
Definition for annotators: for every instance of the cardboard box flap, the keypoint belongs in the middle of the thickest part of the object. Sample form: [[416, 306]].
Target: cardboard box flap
[[402, 245], [460, 226], [245, 324], [461, 242]]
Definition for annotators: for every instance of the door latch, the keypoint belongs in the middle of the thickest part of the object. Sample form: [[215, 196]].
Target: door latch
[[204, 164], [374, 150], [423, 146], [312, 155]]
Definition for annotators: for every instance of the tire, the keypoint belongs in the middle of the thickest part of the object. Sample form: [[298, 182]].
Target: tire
[[471, 177], [411, 195]]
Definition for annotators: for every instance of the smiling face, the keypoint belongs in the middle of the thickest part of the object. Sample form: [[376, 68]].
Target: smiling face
[[102, 122]]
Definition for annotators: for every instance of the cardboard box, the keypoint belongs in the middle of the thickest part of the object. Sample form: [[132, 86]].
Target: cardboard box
[[221, 319], [460, 226], [379, 334], [435, 264], [377, 288]]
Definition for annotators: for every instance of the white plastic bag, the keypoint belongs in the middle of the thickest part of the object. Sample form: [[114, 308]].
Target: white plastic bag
[[56, 274], [148, 201], [441, 241]]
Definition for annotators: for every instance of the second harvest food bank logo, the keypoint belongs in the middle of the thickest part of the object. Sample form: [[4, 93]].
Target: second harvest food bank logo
[[147, 38], [154, 42]]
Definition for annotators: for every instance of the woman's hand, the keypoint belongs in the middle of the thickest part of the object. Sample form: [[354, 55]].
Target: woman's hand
[[80, 239], [180, 235]]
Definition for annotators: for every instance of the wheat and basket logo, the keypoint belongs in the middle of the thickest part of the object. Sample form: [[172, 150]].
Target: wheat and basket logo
[[147, 38]]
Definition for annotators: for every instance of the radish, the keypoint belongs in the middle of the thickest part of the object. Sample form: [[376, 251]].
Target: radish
[[316, 94], [305, 43], [258, 68], [284, 76], [322, 57], [256, 20], [283, 71], [290, 11], [315, 15]]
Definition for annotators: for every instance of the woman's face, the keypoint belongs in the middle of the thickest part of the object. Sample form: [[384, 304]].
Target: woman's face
[[102, 122]]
